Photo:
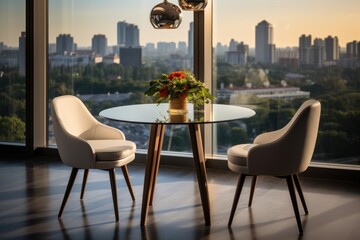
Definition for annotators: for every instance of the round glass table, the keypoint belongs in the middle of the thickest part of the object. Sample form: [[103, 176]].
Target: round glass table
[[158, 116]]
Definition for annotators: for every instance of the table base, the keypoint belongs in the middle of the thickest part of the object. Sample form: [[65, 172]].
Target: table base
[[156, 140]]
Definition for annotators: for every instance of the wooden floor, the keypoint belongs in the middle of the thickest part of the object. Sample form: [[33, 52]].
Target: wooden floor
[[31, 192]]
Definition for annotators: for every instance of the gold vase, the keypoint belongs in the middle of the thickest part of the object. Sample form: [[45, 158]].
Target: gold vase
[[178, 106], [178, 118]]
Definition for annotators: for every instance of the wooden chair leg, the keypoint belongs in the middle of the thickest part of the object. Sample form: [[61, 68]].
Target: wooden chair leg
[[301, 195], [290, 184], [127, 179], [114, 192], [86, 173], [252, 190], [74, 172], [236, 197]]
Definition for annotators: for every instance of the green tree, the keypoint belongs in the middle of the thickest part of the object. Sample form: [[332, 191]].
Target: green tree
[[12, 129]]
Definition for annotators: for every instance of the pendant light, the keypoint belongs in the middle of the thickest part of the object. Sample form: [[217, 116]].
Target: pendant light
[[193, 5], [165, 15]]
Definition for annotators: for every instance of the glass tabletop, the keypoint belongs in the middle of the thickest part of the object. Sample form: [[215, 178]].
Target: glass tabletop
[[158, 113]]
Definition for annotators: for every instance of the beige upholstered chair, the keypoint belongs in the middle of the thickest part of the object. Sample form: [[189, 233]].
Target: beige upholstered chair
[[281, 153], [85, 143]]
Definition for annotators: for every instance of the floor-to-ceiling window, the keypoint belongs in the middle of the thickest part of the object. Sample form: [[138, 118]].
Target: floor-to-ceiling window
[[273, 55], [106, 52], [13, 73], [267, 56]]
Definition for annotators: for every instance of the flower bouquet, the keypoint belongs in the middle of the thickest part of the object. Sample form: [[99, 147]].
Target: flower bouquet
[[178, 88]]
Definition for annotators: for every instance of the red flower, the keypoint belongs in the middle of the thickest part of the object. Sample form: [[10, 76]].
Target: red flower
[[164, 92], [182, 95], [176, 75]]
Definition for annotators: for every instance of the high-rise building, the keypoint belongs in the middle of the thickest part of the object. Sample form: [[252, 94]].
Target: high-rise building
[[128, 35], [220, 49], [191, 40], [99, 44], [242, 48], [332, 49], [317, 53], [233, 45], [287, 52], [313, 54], [22, 54], [237, 54], [51, 48], [264, 45], [182, 48], [305, 43], [121, 33], [352, 49], [130, 57], [149, 49], [65, 44], [132, 36]]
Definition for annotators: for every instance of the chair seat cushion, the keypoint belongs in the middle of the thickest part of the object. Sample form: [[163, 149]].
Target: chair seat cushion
[[112, 149], [238, 154]]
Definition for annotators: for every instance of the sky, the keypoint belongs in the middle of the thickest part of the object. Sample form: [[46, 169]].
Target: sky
[[232, 19]]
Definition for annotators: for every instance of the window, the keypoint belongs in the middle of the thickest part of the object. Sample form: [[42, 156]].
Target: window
[[14, 40], [264, 58], [271, 56], [105, 52]]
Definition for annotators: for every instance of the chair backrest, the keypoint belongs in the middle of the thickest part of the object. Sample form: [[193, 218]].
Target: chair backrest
[[292, 151], [71, 121], [75, 118]]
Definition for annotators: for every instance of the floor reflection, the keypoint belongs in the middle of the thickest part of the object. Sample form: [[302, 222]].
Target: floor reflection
[[31, 195]]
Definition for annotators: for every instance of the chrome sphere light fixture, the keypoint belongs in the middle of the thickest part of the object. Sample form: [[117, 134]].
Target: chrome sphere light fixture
[[165, 15], [193, 5]]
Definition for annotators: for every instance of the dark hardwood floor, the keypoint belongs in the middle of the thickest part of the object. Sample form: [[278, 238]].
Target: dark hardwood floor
[[31, 192]]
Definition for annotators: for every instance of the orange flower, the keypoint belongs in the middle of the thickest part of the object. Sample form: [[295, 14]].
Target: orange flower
[[176, 75]]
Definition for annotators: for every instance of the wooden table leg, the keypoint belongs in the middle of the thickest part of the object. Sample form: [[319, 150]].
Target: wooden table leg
[[160, 135], [199, 159], [151, 168]]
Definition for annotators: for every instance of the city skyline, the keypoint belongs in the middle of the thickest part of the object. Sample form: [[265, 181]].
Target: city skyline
[[289, 19]]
